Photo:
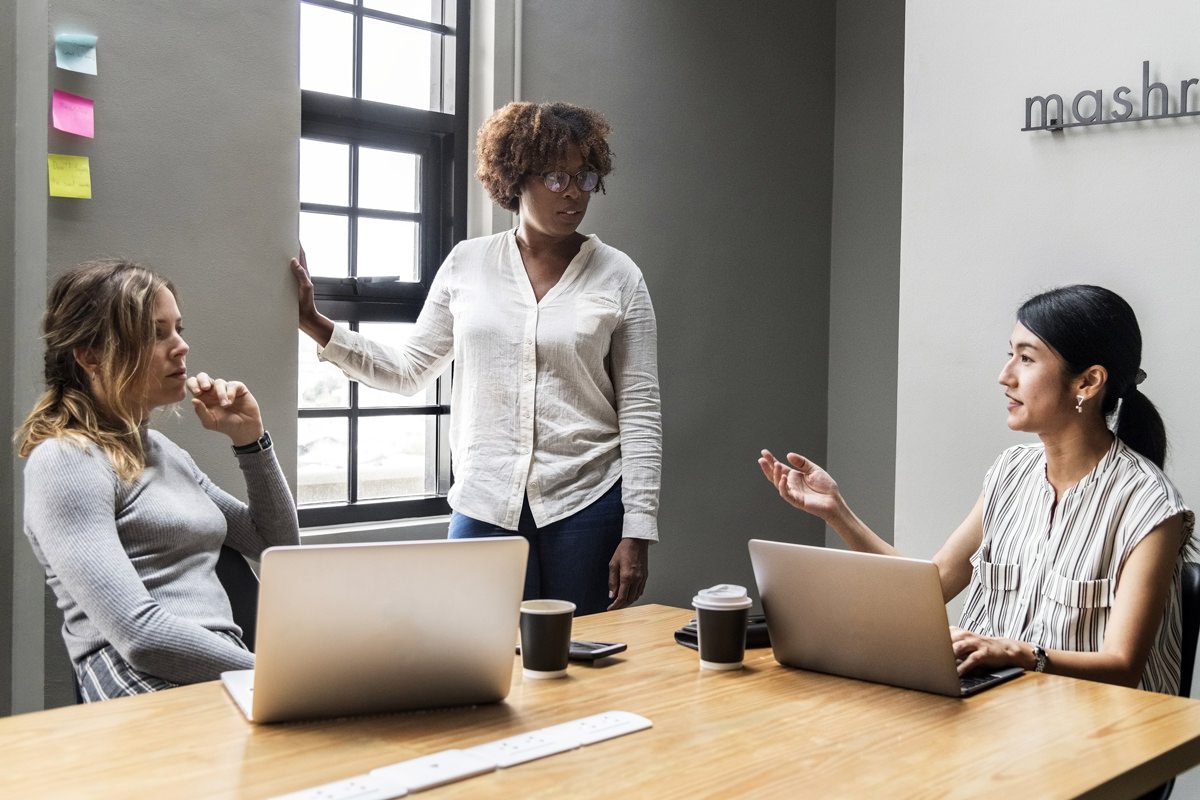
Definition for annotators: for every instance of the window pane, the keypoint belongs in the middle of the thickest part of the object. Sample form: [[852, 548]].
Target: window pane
[[322, 474], [322, 385], [326, 50], [387, 247], [398, 65], [427, 10], [323, 237], [324, 172], [388, 180], [392, 334], [391, 457]]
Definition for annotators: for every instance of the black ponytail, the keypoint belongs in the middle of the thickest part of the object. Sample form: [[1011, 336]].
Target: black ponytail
[[1089, 325], [1140, 426]]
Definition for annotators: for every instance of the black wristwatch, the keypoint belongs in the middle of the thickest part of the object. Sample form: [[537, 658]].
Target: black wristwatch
[[1040, 659], [263, 443]]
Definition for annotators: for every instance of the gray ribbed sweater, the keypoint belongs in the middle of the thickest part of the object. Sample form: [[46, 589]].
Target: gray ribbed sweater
[[133, 564]]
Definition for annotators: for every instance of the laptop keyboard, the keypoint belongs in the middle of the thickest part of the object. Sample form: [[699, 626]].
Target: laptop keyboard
[[967, 682]]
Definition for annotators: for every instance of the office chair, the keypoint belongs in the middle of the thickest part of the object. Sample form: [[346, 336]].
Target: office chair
[[241, 584], [1189, 600]]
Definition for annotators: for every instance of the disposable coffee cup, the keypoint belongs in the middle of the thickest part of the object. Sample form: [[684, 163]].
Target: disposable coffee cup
[[545, 637], [721, 615]]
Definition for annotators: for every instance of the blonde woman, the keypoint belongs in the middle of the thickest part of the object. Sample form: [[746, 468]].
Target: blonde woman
[[125, 524]]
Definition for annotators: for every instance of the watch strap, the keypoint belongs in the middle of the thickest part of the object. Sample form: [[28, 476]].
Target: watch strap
[[262, 443]]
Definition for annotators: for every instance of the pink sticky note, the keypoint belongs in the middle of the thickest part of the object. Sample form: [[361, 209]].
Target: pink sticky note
[[74, 114]]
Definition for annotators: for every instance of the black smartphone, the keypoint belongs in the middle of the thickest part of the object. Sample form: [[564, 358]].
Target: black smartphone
[[590, 651]]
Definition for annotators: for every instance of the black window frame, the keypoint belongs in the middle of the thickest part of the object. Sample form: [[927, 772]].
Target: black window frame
[[440, 138]]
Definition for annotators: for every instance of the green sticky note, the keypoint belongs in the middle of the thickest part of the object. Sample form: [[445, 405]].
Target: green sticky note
[[70, 176]]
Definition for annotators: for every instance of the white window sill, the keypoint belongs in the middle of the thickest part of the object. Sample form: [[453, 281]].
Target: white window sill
[[390, 531]]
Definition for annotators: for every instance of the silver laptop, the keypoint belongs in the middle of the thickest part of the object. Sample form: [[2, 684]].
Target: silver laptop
[[860, 615], [370, 628]]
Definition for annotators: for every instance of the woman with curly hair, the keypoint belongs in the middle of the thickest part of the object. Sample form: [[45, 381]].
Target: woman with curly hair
[[556, 425], [125, 524]]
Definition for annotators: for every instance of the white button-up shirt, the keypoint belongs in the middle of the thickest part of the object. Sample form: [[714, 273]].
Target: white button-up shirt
[[555, 400]]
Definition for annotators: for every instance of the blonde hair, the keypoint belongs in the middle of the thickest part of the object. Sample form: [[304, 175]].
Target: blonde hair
[[105, 308]]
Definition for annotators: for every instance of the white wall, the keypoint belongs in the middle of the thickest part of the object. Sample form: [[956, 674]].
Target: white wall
[[992, 215]]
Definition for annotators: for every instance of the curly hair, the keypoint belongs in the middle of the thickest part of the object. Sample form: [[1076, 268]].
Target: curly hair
[[523, 139]]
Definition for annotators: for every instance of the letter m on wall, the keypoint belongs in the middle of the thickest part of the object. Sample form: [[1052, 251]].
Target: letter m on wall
[[1044, 104]]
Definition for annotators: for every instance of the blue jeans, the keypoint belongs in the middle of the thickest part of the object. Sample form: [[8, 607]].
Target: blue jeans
[[568, 559]]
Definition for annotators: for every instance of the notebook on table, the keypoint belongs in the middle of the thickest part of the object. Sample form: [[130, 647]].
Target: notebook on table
[[371, 628], [859, 615]]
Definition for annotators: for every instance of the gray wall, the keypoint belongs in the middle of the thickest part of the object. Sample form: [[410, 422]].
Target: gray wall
[[724, 195], [194, 173], [8, 49], [25, 67], [721, 193], [864, 262]]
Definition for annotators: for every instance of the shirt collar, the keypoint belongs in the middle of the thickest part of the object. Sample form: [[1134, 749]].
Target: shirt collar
[[1102, 466]]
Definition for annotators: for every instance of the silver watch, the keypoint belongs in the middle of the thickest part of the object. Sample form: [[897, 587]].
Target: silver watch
[[1040, 659]]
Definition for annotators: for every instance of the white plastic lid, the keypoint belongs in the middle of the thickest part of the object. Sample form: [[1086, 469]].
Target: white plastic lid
[[723, 596]]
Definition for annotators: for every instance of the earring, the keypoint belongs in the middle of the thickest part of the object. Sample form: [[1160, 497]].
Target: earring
[[1078, 404]]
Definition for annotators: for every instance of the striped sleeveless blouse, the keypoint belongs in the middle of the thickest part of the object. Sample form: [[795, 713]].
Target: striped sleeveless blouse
[[1052, 581]]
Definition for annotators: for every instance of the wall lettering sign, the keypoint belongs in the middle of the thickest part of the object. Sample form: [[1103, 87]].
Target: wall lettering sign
[[1089, 107]]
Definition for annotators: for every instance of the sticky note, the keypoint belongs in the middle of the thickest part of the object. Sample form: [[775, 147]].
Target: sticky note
[[73, 113], [76, 52], [70, 176]]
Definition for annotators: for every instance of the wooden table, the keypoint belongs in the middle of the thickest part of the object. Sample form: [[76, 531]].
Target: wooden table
[[766, 731]]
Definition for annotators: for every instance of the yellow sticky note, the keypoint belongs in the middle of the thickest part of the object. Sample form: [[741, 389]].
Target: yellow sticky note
[[70, 176]]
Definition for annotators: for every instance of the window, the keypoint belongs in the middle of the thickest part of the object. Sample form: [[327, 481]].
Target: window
[[382, 200]]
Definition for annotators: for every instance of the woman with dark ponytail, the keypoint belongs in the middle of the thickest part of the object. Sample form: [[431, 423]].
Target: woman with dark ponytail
[[125, 524], [1072, 555], [1089, 325]]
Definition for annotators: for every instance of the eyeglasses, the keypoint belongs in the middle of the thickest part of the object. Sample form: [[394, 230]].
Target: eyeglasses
[[587, 180]]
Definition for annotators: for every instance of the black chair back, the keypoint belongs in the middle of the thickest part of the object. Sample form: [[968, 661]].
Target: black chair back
[[1190, 600], [241, 584]]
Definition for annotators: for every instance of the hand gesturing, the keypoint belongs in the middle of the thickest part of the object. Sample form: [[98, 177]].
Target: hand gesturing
[[803, 484]]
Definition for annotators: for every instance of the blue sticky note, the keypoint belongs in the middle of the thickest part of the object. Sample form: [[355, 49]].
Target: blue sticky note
[[76, 52]]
